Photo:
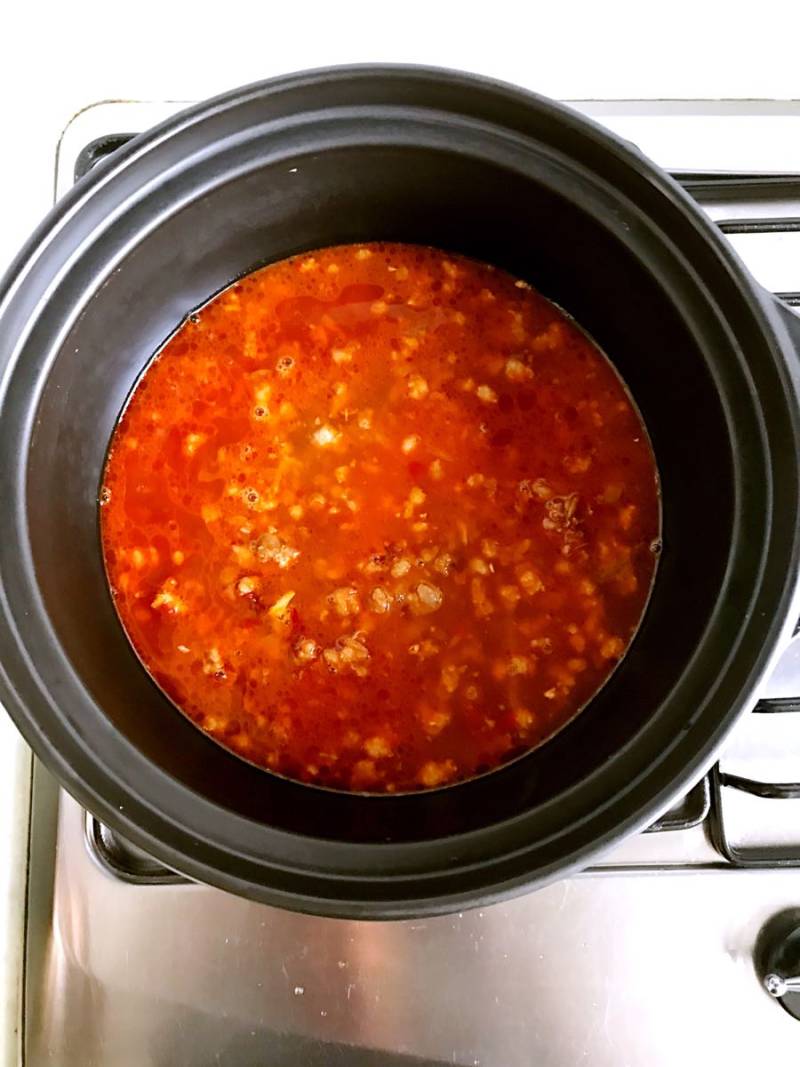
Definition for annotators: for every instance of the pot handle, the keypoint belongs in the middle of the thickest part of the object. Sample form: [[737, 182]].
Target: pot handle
[[791, 320], [754, 857]]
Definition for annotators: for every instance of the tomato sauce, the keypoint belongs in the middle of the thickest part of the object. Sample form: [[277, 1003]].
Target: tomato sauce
[[380, 518]]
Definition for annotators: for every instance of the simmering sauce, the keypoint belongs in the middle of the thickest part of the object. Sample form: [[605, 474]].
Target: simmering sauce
[[380, 518]]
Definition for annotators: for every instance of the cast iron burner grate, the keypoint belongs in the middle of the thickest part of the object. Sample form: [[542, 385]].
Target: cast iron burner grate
[[704, 803]]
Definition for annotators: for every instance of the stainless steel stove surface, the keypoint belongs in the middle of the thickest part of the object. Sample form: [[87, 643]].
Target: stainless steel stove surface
[[655, 957]]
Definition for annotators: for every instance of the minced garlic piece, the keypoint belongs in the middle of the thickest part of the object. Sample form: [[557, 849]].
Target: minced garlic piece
[[530, 581], [192, 442], [349, 653], [417, 387], [435, 773], [306, 649], [325, 436], [212, 663], [269, 548], [167, 597], [451, 675], [380, 600], [612, 648], [430, 598], [416, 497], [519, 665], [377, 747], [524, 718], [400, 568], [433, 720], [345, 600], [517, 371], [510, 595]]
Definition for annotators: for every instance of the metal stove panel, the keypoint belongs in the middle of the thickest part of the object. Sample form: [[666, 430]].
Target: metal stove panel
[[651, 959]]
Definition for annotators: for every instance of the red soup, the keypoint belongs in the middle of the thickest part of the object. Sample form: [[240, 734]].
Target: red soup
[[380, 518]]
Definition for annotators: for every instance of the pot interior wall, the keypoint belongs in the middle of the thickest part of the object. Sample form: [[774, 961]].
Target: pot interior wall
[[429, 196]]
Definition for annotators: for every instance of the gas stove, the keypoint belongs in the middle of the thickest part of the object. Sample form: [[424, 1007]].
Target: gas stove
[[657, 956]]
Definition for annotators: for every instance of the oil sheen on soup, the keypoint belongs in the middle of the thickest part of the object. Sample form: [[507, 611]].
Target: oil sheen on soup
[[380, 518]]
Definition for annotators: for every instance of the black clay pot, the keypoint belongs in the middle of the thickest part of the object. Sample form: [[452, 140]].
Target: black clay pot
[[477, 167]]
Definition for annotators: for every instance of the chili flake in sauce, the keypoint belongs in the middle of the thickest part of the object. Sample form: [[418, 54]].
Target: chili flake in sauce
[[380, 518]]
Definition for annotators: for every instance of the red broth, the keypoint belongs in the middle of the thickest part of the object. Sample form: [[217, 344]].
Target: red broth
[[380, 518]]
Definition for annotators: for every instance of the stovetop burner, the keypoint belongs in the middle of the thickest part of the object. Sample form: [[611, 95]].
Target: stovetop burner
[[655, 956]]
